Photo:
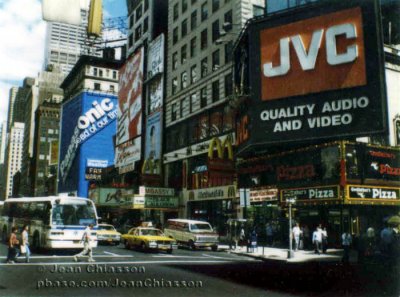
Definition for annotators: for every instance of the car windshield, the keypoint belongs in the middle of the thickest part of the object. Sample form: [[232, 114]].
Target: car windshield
[[200, 227], [151, 232], [107, 227], [73, 214]]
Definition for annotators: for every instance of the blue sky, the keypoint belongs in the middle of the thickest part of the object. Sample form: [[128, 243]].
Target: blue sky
[[22, 42]]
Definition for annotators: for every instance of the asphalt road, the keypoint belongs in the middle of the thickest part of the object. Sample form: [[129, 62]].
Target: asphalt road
[[121, 272]]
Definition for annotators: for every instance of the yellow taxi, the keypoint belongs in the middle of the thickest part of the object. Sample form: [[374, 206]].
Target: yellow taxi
[[148, 238], [107, 234]]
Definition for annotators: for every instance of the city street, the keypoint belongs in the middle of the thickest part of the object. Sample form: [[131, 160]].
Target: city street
[[118, 272]]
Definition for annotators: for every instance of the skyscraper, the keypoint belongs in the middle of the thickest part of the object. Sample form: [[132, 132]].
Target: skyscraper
[[65, 43]]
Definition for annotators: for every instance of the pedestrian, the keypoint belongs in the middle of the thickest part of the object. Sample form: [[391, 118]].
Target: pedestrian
[[13, 243], [324, 240], [296, 236], [242, 237], [317, 239], [346, 244], [253, 241], [25, 243], [270, 234], [87, 249], [386, 240]]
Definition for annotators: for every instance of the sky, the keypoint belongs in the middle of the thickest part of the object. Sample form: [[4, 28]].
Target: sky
[[22, 35]]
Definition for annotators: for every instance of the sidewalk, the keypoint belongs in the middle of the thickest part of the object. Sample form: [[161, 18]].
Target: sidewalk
[[281, 254]]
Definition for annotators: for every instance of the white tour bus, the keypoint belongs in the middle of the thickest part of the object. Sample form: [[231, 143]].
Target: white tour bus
[[55, 222]]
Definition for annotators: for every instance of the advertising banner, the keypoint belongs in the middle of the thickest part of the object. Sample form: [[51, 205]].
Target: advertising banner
[[223, 192], [263, 194], [127, 154], [160, 202], [130, 98], [111, 196], [381, 163], [53, 152], [153, 144], [82, 118], [155, 60], [315, 74], [311, 194], [361, 192], [156, 87], [152, 191]]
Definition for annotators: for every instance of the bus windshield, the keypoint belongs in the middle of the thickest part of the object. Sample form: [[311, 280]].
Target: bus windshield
[[73, 214]]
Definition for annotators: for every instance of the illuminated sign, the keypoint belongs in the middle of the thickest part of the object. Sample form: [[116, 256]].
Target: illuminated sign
[[372, 192], [311, 194]]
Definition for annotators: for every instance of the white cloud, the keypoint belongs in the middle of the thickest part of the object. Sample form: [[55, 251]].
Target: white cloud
[[22, 35]]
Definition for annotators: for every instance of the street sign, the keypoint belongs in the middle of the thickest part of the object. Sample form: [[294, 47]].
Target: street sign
[[244, 195]]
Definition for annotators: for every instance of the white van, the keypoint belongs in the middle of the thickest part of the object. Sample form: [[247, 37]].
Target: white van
[[193, 234]]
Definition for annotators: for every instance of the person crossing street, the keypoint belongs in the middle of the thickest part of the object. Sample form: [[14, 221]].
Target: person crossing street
[[87, 249]]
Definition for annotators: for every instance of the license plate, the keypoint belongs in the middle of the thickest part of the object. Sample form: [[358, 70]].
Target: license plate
[[164, 246], [109, 239]]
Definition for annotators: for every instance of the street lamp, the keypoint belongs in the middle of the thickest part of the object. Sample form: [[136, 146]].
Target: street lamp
[[290, 252]]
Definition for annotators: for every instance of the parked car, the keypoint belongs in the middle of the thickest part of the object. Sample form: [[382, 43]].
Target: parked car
[[194, 234], [148, 238], [107, 234]]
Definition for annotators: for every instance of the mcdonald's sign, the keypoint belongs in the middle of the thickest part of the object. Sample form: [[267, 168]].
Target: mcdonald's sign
[[151, 166], [220, 146]]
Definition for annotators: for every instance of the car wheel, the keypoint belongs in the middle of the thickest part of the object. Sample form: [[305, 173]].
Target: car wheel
[[143, 246], [169, 251], [191, 245], [214, 248]]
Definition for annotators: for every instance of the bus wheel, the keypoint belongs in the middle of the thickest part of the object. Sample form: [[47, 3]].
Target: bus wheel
[[36, 242], [4, 235]]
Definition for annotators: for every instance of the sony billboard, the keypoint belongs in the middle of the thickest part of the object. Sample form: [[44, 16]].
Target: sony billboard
[[314, 74]]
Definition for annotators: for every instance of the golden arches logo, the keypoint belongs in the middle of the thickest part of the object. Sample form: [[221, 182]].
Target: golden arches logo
[[150, 166], [220, 146]]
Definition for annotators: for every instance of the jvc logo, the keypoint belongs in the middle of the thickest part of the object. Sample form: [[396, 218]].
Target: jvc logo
[[308, 58]]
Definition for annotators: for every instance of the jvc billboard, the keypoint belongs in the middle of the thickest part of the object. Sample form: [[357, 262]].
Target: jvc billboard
[[315, 73], [88, 125]]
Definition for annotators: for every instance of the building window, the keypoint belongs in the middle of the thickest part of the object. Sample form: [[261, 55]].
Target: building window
[[228, 20], [228, 85], [215, 30], [193, 74], [258, 10], [203, 97], [174, 61], [193, 47], [228, 51], [215, 60], [184, 80], [145, 25], [193, 1], [181, 109], [138, 32], [193, 20], [204, 11], [184, 28], [95, 71], [215, 5], [138, 12], [174, 85], [193, 102], [114, 74], [175, 35], [130, 40], [112, 88], [215, 91], [204, 67], [101, 73], [173, 112], [146, 5], [203, 44], [131, 21], [184, 5], [183, 54], [176, 11], [97, 86]]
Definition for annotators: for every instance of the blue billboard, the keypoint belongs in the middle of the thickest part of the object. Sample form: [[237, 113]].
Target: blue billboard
[[88, 125]]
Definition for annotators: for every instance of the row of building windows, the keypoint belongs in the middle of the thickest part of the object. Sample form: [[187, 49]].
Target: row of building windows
[[204, 66], [204, 7], [100, 73], [199, 100], [193, 25], [139, 11], [139, 32]]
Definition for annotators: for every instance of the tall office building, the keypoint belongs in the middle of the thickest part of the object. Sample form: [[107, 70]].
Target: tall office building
[[3, 143], [12, 96], [14, 155], [201, 35], [65, 43]]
